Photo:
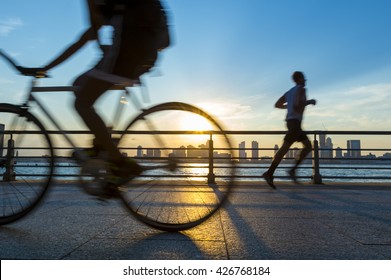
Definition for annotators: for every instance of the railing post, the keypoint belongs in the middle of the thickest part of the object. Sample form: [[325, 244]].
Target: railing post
[[316, 177], [211, 175], [9, 174]]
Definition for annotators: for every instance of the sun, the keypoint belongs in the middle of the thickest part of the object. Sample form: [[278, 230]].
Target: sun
[[195, 123]]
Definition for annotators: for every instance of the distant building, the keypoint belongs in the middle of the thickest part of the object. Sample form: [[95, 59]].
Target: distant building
[[204, 150], [325, 146], [328, 152], [200, 152], [292, 153], [338, 153], [149, 153], [254, 150], [181, 152], [157, 153], [353, 148], [221, 155], [242, 151], [2, 128], [322, 144], [386, 155], [139, 151]]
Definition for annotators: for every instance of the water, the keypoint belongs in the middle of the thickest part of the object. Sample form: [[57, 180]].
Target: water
[[245, 171]]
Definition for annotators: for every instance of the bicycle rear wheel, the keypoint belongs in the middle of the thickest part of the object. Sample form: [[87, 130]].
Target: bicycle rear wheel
[[26, 162], [188, 173]]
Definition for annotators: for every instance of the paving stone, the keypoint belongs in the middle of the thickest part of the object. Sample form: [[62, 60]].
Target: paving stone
[[331, 221]]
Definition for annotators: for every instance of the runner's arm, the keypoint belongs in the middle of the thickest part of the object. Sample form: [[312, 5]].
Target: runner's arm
[[281, 103], [301, 100]]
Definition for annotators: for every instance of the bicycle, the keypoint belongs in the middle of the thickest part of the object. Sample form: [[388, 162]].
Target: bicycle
[[174, 192]]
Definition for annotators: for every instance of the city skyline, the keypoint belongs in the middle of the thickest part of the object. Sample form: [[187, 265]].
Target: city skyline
[[353, 150]]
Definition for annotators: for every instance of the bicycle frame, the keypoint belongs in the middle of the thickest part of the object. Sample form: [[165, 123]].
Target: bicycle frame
[[35, 89], [119, 83]]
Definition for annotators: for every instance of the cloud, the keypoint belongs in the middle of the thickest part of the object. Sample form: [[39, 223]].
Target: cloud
[[8, 25], [226, 109], [365, 107]]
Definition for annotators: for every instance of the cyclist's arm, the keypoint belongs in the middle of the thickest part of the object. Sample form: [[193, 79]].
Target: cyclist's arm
[[96, 20], [112, 51], [85, 37]]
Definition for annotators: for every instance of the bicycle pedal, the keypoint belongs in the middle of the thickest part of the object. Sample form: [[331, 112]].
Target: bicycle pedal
[[116, 180]]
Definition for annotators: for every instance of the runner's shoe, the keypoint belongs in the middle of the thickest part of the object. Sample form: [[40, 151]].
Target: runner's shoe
[[269, 180], [292, 175]]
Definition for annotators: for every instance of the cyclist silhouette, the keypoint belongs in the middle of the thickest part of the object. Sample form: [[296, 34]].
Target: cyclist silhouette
[[295, 101], [140, 32]]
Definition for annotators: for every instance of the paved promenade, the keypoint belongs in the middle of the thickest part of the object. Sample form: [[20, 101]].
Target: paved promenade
[[331, 221]]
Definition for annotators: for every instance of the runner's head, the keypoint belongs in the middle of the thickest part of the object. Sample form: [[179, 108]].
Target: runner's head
[[298, 78]]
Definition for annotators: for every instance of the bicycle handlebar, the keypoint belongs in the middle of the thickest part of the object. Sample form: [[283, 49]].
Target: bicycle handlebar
[[32, 72]]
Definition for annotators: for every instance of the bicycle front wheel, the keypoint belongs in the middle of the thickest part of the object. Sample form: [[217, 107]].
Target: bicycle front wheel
[[188, 170], [26, 162]]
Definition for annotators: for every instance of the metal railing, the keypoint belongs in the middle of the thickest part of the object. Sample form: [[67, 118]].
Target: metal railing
[[316, 167]]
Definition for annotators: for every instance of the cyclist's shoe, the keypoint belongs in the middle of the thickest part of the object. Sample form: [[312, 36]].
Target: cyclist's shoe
[[269, 180], [84, 154], [292, 175], [124, 171], [93, 152], [109, 191]]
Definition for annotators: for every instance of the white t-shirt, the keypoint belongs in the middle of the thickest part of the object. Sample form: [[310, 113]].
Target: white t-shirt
[[290, 98]]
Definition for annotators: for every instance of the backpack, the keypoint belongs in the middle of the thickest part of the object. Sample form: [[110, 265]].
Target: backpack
[[146, 16], [159, 22]]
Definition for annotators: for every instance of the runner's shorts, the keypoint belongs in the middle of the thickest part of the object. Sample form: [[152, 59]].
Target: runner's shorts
[[295, 133]]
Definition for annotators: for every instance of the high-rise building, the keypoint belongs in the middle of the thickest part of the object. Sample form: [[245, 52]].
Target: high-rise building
[[242, 151], [328, 148], [322, 140], [139, 151], [2, 128], [254, 150], [292, 153], [149, 152], [157, 153], [325, 146], [354, 148], [338, 152]]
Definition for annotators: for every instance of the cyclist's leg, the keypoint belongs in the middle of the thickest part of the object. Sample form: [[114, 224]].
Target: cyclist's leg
[[89, 90]]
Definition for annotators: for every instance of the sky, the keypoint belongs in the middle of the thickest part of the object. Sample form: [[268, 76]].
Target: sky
[[234, 58]]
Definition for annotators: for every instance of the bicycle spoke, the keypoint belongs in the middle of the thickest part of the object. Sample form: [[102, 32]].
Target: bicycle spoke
[[27, 163], [174, 192]]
